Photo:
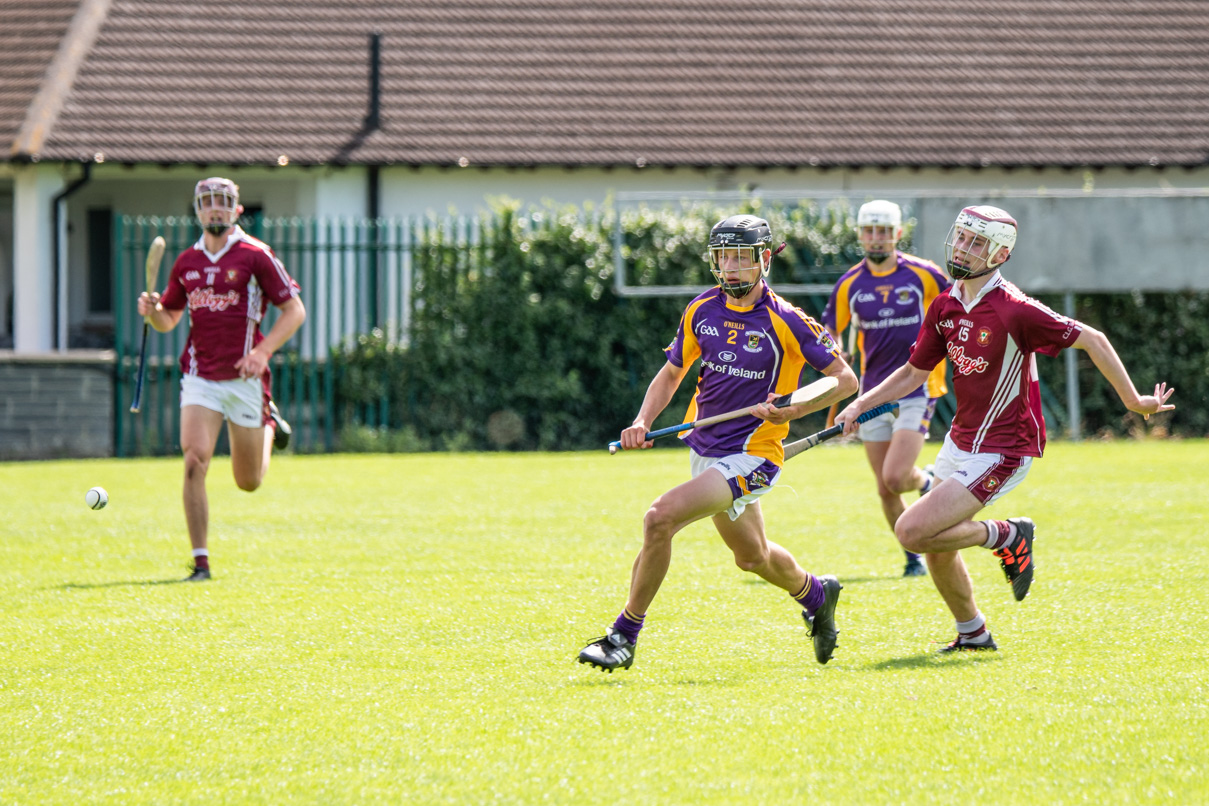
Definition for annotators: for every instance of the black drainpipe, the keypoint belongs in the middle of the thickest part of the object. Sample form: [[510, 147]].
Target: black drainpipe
[[373, 121], [54, 240]]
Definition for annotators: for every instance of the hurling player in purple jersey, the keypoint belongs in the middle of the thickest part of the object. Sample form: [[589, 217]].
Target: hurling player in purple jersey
[[753, 347], [884, 297], [225, 281]]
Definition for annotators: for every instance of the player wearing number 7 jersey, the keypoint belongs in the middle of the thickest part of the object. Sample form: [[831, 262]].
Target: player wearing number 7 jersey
[[991, 332], [886, 295]]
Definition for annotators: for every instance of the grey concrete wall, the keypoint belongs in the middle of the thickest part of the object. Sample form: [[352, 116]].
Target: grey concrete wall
[[1093, 244], [55, 406]]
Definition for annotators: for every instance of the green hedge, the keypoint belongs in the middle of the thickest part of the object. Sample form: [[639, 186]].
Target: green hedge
[[519, 343]]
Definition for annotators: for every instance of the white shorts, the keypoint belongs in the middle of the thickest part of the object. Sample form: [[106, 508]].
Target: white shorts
[[914, 414], [240, 400], [749, 476], [989, 476]]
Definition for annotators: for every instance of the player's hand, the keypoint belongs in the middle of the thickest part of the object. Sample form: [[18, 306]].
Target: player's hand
[[633, 437], [148, 303], [847, 417], [252, 365], [770, 413], [1153, 404]]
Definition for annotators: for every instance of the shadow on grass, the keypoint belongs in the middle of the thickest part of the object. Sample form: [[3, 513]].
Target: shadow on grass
[[755, 580], [931, 660], [141, 582], [601, 679]]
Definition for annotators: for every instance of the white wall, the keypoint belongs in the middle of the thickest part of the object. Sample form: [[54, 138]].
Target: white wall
[[341, 193], [34, 187]]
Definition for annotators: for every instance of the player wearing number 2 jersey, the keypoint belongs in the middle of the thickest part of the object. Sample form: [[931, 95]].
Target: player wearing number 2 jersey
[[753, 347], [225, 281], [991, 332]]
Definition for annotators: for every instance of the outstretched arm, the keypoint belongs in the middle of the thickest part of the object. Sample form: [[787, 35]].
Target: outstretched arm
[[906, 378], [837, 369], [658, 395], [1102, 354]]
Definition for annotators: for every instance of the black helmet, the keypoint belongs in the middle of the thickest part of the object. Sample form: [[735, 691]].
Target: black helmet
[[740, 232]]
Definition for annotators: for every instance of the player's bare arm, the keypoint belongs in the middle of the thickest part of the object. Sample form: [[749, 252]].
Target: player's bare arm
[[658, 395], [906, 378], [838, 369], [159, 317], [1102, 354], [293, 314]]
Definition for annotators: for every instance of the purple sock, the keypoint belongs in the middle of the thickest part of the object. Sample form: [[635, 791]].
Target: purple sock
[[629, 625], [811, 595]]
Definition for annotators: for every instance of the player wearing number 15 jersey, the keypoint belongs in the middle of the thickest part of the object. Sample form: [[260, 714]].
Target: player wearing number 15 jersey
[[991, 332], [753, 347]]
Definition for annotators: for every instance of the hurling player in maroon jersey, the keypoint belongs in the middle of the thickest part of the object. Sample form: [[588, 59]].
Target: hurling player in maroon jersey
[[991, 332], [226, 281]]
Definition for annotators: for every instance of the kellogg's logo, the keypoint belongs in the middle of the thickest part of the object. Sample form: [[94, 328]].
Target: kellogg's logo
[[964, 364], [206, 298]]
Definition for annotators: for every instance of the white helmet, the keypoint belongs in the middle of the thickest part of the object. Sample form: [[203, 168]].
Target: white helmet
[[218, 194], [879, 213], [988, 231], [885, 215]]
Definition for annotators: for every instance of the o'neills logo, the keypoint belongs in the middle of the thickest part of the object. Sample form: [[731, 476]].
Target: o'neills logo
[[966, 364], [206, 298]]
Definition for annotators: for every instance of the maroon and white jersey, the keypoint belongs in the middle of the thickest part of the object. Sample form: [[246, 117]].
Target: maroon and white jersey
[[991, 343], [227, 295]]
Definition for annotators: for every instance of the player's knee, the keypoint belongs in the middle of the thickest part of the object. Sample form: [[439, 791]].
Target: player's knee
[[910, 537], [658, 524], [196, 465], [247, 484], [897, 482], [752, 561]]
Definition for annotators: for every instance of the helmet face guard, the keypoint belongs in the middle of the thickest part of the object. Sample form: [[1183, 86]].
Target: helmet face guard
[[216, 194], [976, 239], [740, 242], [879, 225]]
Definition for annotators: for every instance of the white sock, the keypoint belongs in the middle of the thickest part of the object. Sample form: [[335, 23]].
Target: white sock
[[974, 631], [992, 534], [201, 552]]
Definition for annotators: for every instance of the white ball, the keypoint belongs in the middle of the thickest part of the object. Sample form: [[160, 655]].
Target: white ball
[[96, 498]]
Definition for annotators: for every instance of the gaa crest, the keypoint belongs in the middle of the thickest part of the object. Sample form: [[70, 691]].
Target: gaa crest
[[984, 336]]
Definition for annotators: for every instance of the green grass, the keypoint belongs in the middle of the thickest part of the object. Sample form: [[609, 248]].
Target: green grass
[[403, 630]]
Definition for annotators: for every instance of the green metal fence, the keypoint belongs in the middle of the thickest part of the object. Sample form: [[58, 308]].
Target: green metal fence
[[357, 277]]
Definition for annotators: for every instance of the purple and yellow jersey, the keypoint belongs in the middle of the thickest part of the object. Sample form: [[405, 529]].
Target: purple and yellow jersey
[[745, 354], [889, 307]]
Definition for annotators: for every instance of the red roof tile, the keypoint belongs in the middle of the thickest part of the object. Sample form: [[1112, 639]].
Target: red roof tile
[[556, 82]]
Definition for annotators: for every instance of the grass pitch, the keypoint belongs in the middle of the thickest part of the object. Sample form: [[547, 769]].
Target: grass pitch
[[403, 629]]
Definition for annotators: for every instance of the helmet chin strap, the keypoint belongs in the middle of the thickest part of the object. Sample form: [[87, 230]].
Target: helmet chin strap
[[740, 290], [959, 272]]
